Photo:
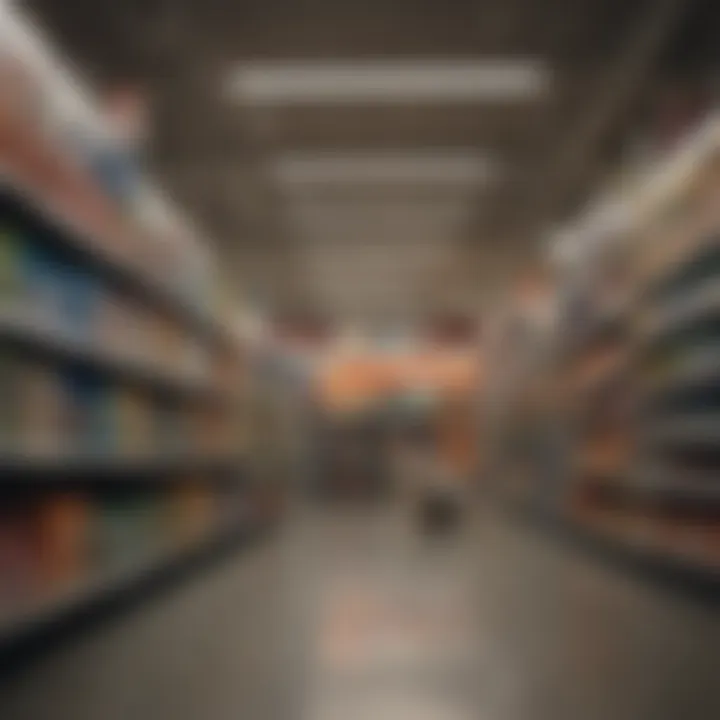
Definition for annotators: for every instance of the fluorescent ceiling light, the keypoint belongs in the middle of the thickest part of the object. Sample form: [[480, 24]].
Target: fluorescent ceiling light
[[461, 168], [426, 81]]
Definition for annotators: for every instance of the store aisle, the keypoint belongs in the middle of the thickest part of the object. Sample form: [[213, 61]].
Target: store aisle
[[348, 615]]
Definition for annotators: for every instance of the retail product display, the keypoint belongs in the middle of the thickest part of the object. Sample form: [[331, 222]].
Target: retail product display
[[118, 375], [52, 543], [66, 302], [628, 375]]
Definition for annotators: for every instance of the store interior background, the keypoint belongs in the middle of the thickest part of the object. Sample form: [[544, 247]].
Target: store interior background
[[248, 248]]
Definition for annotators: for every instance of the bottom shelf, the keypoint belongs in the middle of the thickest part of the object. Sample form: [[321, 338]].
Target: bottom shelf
[[40, 619], [681, 572]]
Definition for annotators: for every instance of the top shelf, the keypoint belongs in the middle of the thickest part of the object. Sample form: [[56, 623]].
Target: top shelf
[[51, 135], [656, 189]]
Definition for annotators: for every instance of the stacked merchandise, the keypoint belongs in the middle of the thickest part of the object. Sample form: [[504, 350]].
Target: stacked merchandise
[[596, 389], [55, 543], [678, 327], [521, 428], [118, 382], [649, 479], [58, 144], [48, 290], [634, 374], [56, 408]]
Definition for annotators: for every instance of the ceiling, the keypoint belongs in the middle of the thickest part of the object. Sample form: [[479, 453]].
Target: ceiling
[[416, 202]]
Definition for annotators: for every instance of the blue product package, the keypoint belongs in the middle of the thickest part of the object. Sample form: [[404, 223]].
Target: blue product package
[[109, 162], [115, 169], [42, 276], [80, 300], [89, 412], [11, 271], [171, 436]]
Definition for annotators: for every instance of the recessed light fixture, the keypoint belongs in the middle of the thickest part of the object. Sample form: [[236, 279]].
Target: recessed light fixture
[[384, 81], [456, 168]]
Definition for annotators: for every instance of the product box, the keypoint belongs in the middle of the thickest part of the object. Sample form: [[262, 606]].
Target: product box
[[63, 531], [195, 358], [43, 279], [115, 169], [191, 511], [116, 326], [226, 370], [42, 411], [18, 562], [21, 95], [233, 502], [165, 338], [152, 508], [10, 399], [134, 422], [115, 536], [171, 428], [89, 413], [11, 272], [205, 427], [80, 300], [129, 529]]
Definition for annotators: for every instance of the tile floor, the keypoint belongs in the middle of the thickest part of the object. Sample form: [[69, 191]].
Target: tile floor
[[349, 615]]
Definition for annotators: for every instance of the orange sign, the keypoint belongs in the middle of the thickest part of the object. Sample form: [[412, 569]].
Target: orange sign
[[350, 383]]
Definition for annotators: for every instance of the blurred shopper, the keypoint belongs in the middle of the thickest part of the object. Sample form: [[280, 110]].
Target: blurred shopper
[[428, 482]]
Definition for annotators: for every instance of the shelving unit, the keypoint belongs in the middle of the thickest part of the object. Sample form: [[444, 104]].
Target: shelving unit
[[635, 384], [99, 592], [21, 198], [104, 468], [121, 411], [54, 345]]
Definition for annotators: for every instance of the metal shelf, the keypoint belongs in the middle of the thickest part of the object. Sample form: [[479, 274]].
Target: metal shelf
[[677, 487], [700, 369], [698, 304], [57, 345], [662, 487], [700, 429], [109, 468], [672, 568], [100, 591], [29, 209], [700, 244]]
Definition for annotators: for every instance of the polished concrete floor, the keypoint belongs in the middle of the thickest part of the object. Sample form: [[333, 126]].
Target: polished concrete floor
[[349, 615]]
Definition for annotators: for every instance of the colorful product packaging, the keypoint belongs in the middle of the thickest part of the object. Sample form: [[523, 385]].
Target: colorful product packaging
[[89, 413], [134, 422], [171, 431], [11, 271], [10, 395], [18, 561], [42, 411], [80, 296], [191, 511], [42, 273], [129, 530], [63, 528]]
